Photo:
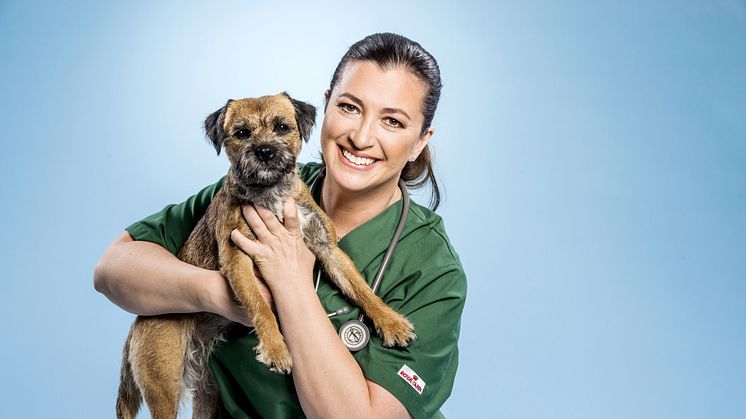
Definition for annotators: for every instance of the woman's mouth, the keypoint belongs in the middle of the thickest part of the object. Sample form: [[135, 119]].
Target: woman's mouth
[[357, 160]]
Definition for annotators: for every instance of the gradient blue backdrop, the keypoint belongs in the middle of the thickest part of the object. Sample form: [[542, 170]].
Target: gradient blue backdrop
[[593, 156]]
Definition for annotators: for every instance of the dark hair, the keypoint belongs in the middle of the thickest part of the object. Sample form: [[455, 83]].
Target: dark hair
[[390, 50]]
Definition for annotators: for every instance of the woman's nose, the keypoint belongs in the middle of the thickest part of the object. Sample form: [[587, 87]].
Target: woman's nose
[[364, 135]]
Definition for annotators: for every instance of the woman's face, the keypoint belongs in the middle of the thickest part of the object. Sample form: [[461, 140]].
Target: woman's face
[[372, 124]]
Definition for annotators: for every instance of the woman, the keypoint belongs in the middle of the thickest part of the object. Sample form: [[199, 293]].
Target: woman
[[377, 116]]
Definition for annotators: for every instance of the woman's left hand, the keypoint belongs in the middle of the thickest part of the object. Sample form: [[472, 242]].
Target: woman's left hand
[[279, 251]]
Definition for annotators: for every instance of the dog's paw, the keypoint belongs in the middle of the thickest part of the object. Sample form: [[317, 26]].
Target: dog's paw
[[276, 356], [395, 330]]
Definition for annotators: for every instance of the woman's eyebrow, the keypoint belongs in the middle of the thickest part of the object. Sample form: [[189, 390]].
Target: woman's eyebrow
[[352, 98], [385, 110], [396, 110]]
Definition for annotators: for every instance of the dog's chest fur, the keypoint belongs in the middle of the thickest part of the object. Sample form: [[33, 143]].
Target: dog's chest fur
[[201, 247]]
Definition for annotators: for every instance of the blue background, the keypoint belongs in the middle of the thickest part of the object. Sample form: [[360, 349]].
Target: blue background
[[593, 156]]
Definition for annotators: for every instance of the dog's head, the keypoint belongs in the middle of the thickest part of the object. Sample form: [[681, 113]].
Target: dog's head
[[262, 136]]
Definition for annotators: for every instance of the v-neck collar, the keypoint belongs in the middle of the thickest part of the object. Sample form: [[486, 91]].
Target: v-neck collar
[[370, 239]]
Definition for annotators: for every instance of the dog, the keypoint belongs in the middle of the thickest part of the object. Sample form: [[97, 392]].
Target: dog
[[262, 137]]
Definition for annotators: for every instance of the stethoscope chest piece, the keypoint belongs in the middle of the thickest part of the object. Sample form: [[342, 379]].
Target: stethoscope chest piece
[[354, 334]]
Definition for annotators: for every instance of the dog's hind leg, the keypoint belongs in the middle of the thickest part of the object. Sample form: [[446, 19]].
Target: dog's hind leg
[[129, 397], [198, 375], [157, 352], [205, 403]]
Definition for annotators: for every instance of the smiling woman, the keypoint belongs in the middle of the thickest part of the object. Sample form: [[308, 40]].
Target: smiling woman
[[368, 136], [375, 132], [399, 53]]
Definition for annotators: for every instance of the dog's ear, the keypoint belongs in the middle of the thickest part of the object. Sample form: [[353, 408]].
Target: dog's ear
[[305, 117], [214, 126]]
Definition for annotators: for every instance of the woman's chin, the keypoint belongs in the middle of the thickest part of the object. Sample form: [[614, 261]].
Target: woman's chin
[[352, 182]]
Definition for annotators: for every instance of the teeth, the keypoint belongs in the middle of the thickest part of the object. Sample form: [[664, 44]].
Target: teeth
[[360, 161]]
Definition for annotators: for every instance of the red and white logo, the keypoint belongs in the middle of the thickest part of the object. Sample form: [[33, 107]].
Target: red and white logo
[[412, 378]]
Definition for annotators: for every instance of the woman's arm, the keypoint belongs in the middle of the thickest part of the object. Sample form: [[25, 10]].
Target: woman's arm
[[328, 380], [144, 278]]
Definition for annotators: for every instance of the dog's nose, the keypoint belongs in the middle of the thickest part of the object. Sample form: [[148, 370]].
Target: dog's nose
[[265, 152]]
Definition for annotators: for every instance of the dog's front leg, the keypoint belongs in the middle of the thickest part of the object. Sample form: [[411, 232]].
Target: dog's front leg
[[319, 236], [393, 328], [238, 268]]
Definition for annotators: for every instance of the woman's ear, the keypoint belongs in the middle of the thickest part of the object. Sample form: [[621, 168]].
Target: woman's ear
[[422, 142]]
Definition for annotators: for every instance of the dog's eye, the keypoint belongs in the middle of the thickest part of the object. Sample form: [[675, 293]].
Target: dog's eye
[[242, 133], [282, 128]]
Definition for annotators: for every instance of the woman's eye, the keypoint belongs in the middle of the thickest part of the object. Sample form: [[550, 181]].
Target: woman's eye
[[242, 133], [394, 123], [348, 107]]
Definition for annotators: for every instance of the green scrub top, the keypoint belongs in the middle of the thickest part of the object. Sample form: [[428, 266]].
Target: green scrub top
[[424, 281]]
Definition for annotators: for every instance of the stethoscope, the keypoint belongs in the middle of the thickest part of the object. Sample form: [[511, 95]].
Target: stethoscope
[[355, 334]]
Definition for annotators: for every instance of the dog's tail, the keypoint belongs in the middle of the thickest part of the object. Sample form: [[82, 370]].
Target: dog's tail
[[129, 398]]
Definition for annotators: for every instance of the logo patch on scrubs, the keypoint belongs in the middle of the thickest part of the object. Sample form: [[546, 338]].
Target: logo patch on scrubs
[[412, 378]]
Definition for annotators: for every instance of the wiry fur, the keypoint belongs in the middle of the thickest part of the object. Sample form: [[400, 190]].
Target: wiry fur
[[167, 355]]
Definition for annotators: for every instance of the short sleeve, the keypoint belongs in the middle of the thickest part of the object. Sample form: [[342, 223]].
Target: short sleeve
[[421, 375], [171, 226]]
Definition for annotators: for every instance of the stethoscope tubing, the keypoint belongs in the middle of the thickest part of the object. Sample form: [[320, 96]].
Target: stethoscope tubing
[[392, 244], [394, 239]]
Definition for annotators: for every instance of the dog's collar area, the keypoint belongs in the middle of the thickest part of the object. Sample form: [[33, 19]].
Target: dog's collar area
[[267, 196]]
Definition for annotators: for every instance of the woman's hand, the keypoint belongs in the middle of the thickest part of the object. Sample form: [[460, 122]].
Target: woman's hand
[[279, 251]]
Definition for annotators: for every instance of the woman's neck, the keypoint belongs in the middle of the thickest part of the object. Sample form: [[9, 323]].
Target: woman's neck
[[349, 210]]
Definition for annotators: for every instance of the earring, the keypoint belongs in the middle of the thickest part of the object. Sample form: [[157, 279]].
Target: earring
[[413, 158]]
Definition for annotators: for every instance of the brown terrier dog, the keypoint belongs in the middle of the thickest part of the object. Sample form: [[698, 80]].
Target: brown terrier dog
[[262, 137]]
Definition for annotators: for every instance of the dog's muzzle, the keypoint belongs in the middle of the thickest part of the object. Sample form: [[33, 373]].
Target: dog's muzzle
[[265, 153], [264, 164]]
